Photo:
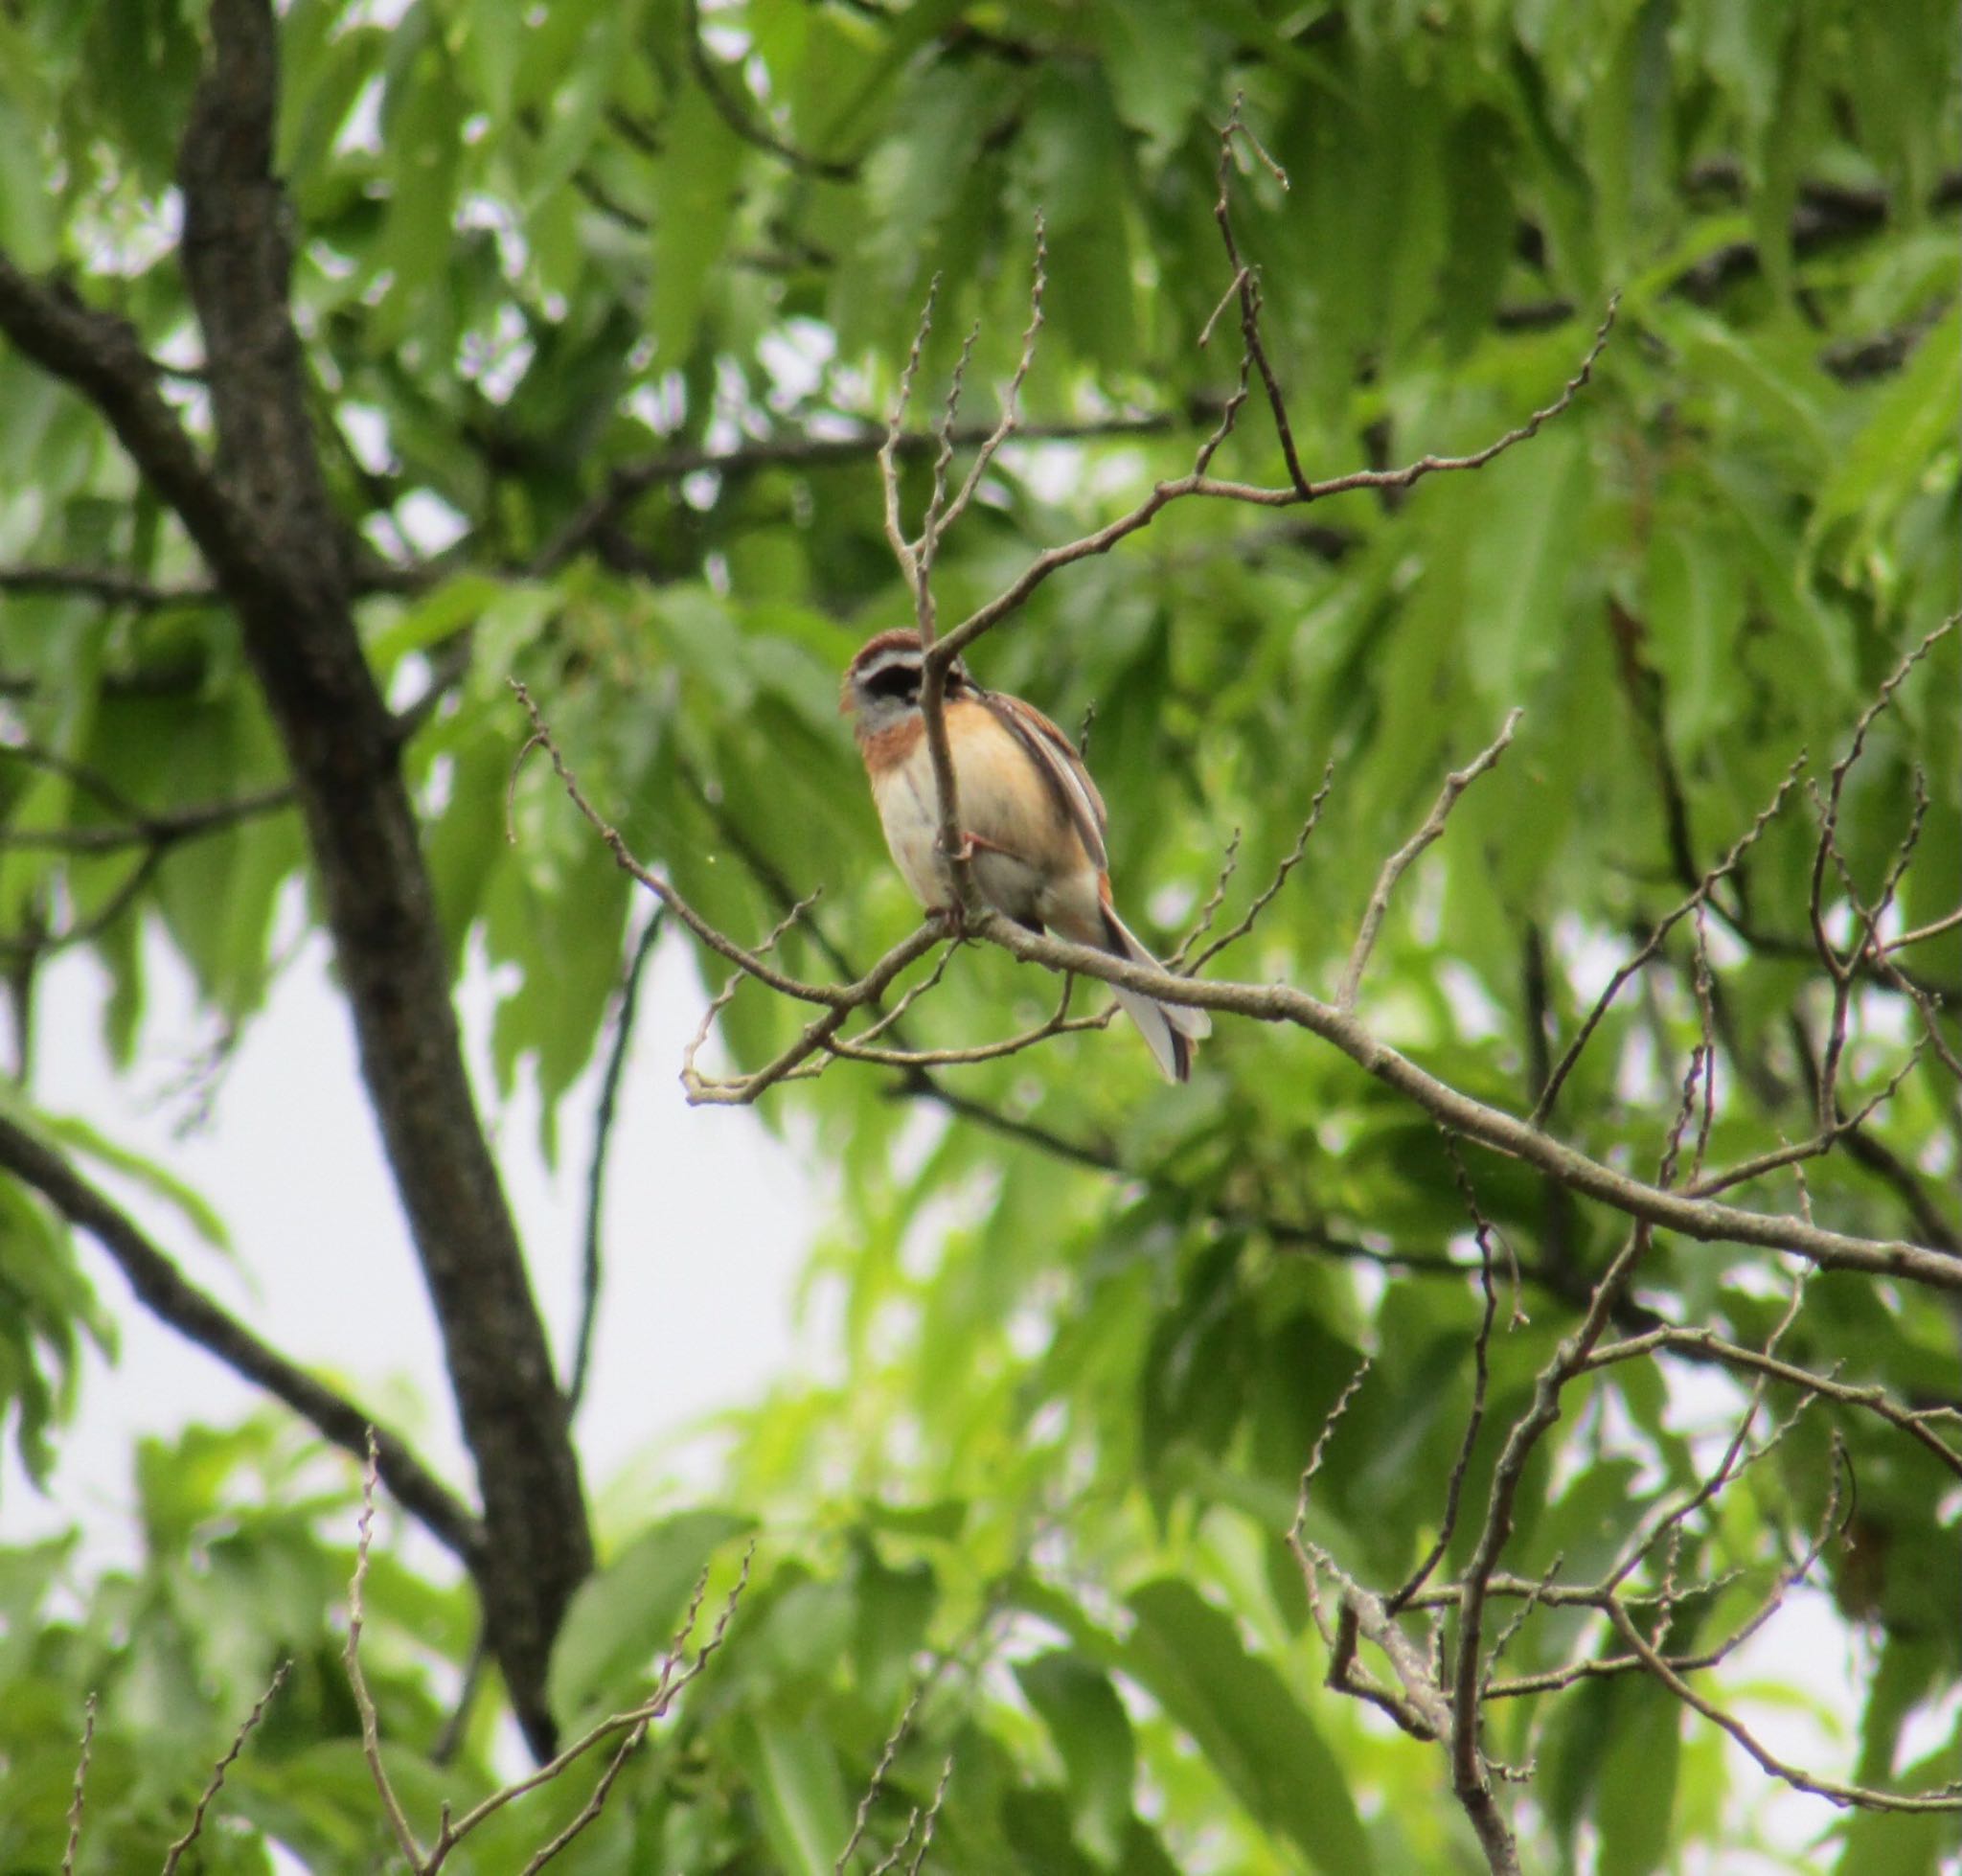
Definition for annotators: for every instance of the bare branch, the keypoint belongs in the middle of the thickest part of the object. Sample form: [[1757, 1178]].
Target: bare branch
[[1399, 862], [1060, 1023], [1860, 1796], [78, 1798], [1009, 420], [1918, 1424], [888, 465], [1330, 1421], [839, 998], [605, 1113], [931, 1816], [1821, 1143], [934, 524], [1706, 1018], [1200, 483], [1471, 1776], [1724, 867], [357, 1680], [1229, 865], [913, 994], [678, 1671], [1226, 299], [726, 996], [1705, 1220], [1290, 861], [1925, 932], [861, 442], [1481, 1374], [1835, 780], [224, 1765], [164, 1290], [1248, 283], [902, 1731]]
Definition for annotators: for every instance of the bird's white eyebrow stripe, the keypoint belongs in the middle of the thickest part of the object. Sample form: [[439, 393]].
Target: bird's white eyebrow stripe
[[897, 660]]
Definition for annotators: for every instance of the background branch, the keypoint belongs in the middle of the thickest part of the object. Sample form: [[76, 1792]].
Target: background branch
[[174, 1299]]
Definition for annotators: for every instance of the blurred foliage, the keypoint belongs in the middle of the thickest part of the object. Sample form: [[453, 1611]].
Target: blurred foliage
[[1091, 1325]]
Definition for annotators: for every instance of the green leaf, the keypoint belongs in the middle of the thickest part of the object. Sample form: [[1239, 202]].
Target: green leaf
[[185, 1201], [1523, 551], [1157, 65], [440, 613], [1190, 1657], [1092, 1731], [26, 227], [795, 1773], [697, 199], [624, 1616], [1636, 1796], [1907, 444], [424, 148], [1693, 613]]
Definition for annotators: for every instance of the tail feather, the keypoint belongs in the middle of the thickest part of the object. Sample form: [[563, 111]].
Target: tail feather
[[1169, 1029]]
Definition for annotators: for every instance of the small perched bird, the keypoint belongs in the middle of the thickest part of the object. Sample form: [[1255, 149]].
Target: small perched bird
[[1029, 811]]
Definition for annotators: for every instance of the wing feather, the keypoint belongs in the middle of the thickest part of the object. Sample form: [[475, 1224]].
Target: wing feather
[[1057, 760]]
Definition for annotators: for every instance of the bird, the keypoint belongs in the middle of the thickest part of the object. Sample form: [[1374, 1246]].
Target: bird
[[1032, 817]]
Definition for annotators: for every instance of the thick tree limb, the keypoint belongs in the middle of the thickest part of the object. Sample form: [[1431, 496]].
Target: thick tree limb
[[300, 637]]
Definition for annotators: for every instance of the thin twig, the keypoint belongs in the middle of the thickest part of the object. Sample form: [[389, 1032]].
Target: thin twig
[[1918, 1424], [357, 1680], [1288, 862], [78, 1795], [1012, 597], [1947, 1798], [930, 1816], [1481, 1374], [724, 996], [1394, 868], [1704, 886], [1819, 1144], [894, 1740], [1011, 419], [888, 466], [912, 996], [1925, 933], [1835, 780], [1248, 283], [224, 1765], [673, 1679], [591, 1270]]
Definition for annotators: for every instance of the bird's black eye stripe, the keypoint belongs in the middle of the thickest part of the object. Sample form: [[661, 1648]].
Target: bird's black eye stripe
[[895, 680]]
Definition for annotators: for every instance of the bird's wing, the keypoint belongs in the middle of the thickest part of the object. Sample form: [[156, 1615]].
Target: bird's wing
[[1056, 761]]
